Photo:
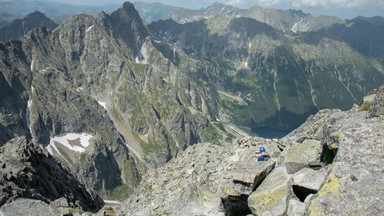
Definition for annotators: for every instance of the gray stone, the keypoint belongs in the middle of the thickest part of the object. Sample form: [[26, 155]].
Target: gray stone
[[309, 178], [244, 177], [23, 207], [299, 156], [296, 208], [273, 194]]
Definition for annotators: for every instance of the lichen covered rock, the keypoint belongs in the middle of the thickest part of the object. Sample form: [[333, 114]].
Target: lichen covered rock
[[273, 194], [299, 156]]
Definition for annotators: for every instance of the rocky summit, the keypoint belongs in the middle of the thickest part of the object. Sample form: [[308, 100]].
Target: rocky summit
[[331, 165], [161, 117]]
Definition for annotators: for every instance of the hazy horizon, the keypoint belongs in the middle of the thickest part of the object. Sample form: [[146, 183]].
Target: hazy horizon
[[340, 8]]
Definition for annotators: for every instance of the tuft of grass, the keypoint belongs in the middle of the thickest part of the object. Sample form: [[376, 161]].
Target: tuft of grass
[[366, 105], [120, 192]]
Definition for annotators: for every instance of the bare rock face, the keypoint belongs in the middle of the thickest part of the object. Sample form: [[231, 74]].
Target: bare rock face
[[354, 184], [27, 171]]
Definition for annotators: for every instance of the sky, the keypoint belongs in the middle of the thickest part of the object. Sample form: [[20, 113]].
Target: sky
[[340, 8]]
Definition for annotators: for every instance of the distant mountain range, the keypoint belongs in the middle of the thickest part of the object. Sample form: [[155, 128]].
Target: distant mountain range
[[20, 27], [58, 12]]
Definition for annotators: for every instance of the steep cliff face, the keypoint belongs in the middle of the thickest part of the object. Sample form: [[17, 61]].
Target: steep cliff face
[[363, 34], [27, 171], [15, 81]]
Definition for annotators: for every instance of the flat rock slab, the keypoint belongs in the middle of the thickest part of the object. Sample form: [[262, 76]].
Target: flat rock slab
[[309, 178], [244, 177], [299, 156], [23, 207]]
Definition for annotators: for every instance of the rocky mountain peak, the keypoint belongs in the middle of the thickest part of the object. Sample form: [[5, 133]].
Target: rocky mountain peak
[[2, 22], [21, 27], [129, 27], [34, 15]]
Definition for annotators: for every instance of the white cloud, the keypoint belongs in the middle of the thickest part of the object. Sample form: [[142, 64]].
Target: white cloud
[[350, 8], [338, 3]]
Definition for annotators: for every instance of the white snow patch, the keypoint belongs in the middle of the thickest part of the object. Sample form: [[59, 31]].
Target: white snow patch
[[103, 104], [89, 28], [28, 113], [145, 53], [49, 149], [73, 141], [295, 27], [29, 103], [112, 202]]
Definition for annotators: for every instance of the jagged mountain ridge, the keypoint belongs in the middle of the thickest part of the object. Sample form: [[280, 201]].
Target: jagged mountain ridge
[[285, 77], [87, 76], [283, 20], [57, 11], [363, 34]]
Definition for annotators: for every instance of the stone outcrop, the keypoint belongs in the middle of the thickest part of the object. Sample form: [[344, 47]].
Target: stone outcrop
[[377, 107], [28, 171]]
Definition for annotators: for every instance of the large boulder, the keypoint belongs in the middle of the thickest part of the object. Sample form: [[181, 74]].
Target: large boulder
[[301, 155], [273, 193]]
